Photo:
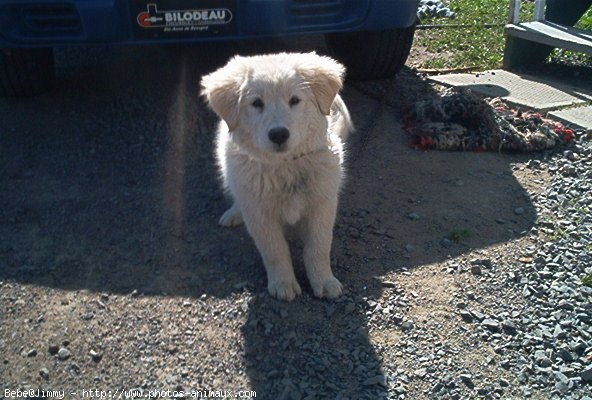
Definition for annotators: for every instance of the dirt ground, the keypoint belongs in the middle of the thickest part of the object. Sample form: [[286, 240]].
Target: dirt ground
[[110, 246]]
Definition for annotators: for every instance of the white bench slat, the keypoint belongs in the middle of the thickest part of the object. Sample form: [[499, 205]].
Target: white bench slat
[[551, 34]]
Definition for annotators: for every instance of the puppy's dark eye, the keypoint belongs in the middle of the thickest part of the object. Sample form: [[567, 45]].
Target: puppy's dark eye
[[294, 100], [257, 103]]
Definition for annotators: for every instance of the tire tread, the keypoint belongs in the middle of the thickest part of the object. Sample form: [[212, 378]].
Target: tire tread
[[372, 55]]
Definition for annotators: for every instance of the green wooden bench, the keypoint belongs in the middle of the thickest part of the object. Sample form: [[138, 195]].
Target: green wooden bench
[[531, 42]]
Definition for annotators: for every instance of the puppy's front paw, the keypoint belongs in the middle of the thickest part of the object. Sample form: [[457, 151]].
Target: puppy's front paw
[[284, 289], [329, 287], [232, 217]]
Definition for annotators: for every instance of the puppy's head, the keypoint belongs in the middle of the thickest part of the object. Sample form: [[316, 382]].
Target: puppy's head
[[274, 103]]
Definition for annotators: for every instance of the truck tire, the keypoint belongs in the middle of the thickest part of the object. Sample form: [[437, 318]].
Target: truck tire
[[26, 72], [372, 55]]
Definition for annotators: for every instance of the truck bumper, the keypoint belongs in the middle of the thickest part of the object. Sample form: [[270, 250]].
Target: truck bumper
[[32, 23]]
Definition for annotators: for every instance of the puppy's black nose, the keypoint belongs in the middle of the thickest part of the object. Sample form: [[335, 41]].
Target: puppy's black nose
[[279, 135]]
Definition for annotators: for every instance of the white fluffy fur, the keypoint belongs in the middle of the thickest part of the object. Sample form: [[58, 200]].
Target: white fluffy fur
[[295, 183]]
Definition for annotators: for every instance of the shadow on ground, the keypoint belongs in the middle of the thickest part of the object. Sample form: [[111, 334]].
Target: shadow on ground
[[107, 184]]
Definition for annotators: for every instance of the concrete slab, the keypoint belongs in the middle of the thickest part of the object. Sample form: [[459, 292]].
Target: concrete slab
[[579, 116], [521, 90]]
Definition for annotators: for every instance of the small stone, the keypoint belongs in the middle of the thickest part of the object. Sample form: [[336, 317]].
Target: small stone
[[44, 373], [273, 374], [349, 308], [88, 316], [578, 347], [32, 353], [559, 333], [437, 387], [586, 374], [519, 211], [562, 387], [476, 270], [491, 324], [479, 316], [545, 274], [484, 262], [96, 356], [508, 326], [467, 380], [570, 155], [534, 164], [241, 285], [53, 349], [377, 380], [244, 306], [541, 359], [560, 376], [566, 305], [291, 393], [565, 355], [64, 354], [407, 326], [75, 368], [413, 216], [466, 315], [330, 310], [568, 170], [354, 233], [483, 391], [504, 383], [420, 373], [397, 319], [409, 248], [446, 243]]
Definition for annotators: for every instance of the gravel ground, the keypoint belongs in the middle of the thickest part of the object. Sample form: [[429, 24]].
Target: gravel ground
[[463, 271]]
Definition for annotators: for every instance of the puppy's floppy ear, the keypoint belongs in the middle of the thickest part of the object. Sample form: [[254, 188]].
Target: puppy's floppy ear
[[222, 88], [325, 78]]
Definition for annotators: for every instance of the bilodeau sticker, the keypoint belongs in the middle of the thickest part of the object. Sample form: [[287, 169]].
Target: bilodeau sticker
[[152, 18]]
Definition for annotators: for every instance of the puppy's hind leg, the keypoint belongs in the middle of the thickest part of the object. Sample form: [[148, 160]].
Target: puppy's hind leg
[[231, 217]]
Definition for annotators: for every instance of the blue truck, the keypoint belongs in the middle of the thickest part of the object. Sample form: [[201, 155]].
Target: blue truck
[[371, 37]]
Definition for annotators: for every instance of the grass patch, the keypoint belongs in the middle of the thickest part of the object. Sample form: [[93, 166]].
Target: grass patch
[[473, 44], [586, 21], [587, 280], [460, 235], [476, 43]]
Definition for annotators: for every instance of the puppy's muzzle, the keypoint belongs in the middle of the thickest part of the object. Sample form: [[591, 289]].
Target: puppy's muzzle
[[278, 135]]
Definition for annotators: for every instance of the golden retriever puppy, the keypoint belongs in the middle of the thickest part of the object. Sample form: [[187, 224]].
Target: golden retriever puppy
[[280, 153]]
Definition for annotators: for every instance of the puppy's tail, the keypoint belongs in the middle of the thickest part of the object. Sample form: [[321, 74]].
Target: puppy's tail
[[341, 122]]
